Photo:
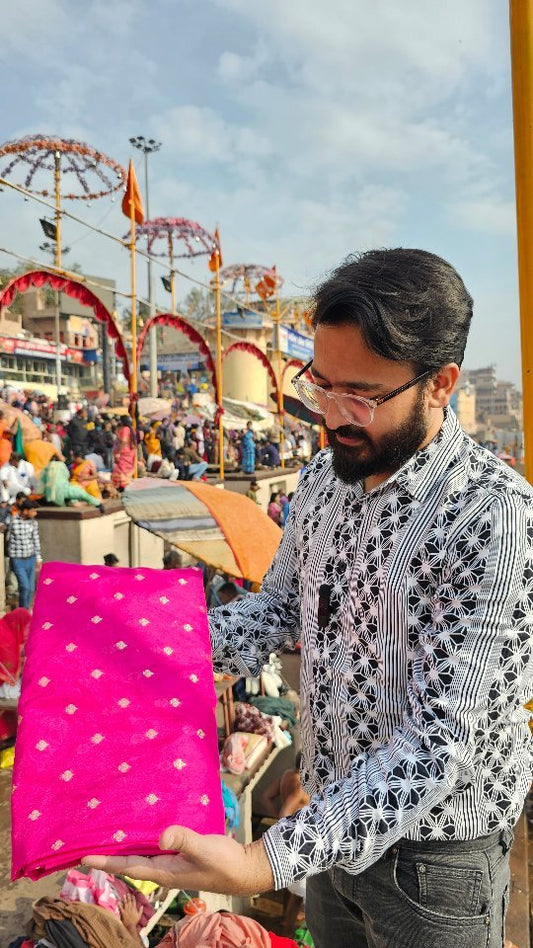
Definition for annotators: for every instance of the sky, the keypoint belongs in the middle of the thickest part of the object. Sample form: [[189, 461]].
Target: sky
[[306, 130]]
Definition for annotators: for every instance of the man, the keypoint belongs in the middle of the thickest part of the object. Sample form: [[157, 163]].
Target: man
[[270, 455], [194, 467], [172, 560], [17, 476], [110, 559], [253, 492], [77, 433], [24, 550], [405, 571]]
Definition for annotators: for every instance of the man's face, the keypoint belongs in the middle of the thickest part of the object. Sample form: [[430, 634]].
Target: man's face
[[343, 364]]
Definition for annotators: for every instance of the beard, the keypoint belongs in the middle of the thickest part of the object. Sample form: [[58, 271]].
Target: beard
[[383, 456]]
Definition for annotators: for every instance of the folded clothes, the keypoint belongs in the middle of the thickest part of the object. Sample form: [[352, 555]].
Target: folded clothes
[[117, 737]]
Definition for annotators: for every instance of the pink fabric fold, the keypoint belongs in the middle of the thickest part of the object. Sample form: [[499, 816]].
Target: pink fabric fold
[[117, 737]]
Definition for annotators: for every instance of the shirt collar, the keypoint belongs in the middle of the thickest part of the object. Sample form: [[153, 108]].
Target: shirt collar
[[419, 474]]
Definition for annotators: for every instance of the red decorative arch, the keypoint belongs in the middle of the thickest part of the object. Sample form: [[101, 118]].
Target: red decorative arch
[[293, 364], [259, 354], [177, 322], [75, 290]]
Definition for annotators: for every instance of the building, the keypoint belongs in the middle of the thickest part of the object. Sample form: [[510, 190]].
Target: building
[[28, 345]]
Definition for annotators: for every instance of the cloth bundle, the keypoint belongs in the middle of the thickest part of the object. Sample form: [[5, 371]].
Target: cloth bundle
[[100, 888], [117, 737]]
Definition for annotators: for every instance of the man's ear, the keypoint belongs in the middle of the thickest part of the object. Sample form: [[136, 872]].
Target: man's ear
[[441, 387]]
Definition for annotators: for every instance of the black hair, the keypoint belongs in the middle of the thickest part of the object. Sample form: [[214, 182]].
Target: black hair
[[229, 587], [172, 557], [27, 505], [410, 305], [298, 760]]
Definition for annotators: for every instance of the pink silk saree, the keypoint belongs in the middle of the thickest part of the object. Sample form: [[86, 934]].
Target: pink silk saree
[[117, 737]]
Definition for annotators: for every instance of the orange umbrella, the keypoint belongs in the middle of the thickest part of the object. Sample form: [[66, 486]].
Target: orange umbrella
[[219, 527]]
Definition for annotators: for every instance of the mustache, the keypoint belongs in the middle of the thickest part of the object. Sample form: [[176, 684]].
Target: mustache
[[346, 431]]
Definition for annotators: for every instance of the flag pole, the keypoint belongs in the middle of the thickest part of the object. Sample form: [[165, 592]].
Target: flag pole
[[220, 388], [521, 21], [133, 381]]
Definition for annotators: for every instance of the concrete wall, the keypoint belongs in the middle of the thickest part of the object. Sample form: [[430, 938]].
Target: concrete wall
[[78, 535], [283, 479]]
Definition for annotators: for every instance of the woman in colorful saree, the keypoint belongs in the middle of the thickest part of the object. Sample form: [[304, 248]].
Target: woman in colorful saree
[[124, 459], [84, 475], [55, 485]]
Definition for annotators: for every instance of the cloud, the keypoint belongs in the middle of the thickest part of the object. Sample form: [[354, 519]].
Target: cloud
[[489, 216]]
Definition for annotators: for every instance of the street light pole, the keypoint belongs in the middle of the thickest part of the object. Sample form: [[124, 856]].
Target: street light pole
[[57, 179], [147, 146]]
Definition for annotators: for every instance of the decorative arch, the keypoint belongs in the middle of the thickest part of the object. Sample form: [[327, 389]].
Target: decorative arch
[[177, 322], [78, 291], [294, 364], [259, 354]]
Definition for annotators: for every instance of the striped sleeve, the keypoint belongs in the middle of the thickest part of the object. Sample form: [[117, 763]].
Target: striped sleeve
[[244, 633]]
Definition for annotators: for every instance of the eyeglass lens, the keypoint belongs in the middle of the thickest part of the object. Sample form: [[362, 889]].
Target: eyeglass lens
[[354, 410]]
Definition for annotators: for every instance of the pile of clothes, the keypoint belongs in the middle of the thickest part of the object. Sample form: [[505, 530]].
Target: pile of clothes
[[63, 923], [253, 732]]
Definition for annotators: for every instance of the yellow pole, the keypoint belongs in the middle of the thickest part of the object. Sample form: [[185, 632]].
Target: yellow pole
[[172, 283], [133, 330], [521, 14], [220, 388]]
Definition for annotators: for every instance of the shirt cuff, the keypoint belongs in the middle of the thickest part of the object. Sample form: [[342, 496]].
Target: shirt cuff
[[287, 864]]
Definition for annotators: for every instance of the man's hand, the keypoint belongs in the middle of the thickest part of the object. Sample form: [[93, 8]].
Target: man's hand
[[210, 863]]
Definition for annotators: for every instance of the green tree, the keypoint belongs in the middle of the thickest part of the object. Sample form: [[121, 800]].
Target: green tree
[[198, 305]]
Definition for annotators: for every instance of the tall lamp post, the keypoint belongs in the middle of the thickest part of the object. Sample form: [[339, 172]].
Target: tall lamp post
[[147, 146]]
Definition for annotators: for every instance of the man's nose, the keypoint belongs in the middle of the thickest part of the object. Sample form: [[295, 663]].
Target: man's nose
[[333, 417]]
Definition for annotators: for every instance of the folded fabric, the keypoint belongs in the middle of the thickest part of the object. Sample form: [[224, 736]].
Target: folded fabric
[[93, 888], [117, 737], [232, 756], [220, 930], [282, 707], [97, 927]]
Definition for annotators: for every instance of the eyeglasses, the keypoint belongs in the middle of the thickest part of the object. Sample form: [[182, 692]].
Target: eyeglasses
[[355, 409]]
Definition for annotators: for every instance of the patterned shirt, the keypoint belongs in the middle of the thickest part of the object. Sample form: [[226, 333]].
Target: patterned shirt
[[23, 538], [413, 684]]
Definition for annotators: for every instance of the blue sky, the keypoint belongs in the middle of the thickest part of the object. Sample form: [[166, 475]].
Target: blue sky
[[306, 129]]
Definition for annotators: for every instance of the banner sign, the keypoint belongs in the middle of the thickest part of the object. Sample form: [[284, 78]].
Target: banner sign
[[41, 349], [242, 318], [295, 344], [180, 361]]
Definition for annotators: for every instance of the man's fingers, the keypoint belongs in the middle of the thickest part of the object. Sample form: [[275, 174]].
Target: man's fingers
[[137, 867], [181, 840]]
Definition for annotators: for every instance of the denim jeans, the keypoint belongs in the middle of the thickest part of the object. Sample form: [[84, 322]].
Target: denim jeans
[[24, 569], [196, 470], [418, 895]]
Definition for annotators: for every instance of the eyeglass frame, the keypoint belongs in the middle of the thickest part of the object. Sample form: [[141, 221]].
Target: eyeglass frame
[[371, 403]]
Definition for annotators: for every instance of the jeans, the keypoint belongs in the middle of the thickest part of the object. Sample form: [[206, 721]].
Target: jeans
[[24, 569], [418, 895], [196, 470]]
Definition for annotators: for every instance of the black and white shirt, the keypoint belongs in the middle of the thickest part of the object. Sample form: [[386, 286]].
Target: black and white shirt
[[23, 538], [412, 695]]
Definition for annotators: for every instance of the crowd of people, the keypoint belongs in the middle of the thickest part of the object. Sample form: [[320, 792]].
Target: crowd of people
[[104, 449]]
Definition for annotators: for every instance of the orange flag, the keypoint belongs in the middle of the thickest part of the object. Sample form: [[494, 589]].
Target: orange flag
[[215, 260], [132, 197]]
